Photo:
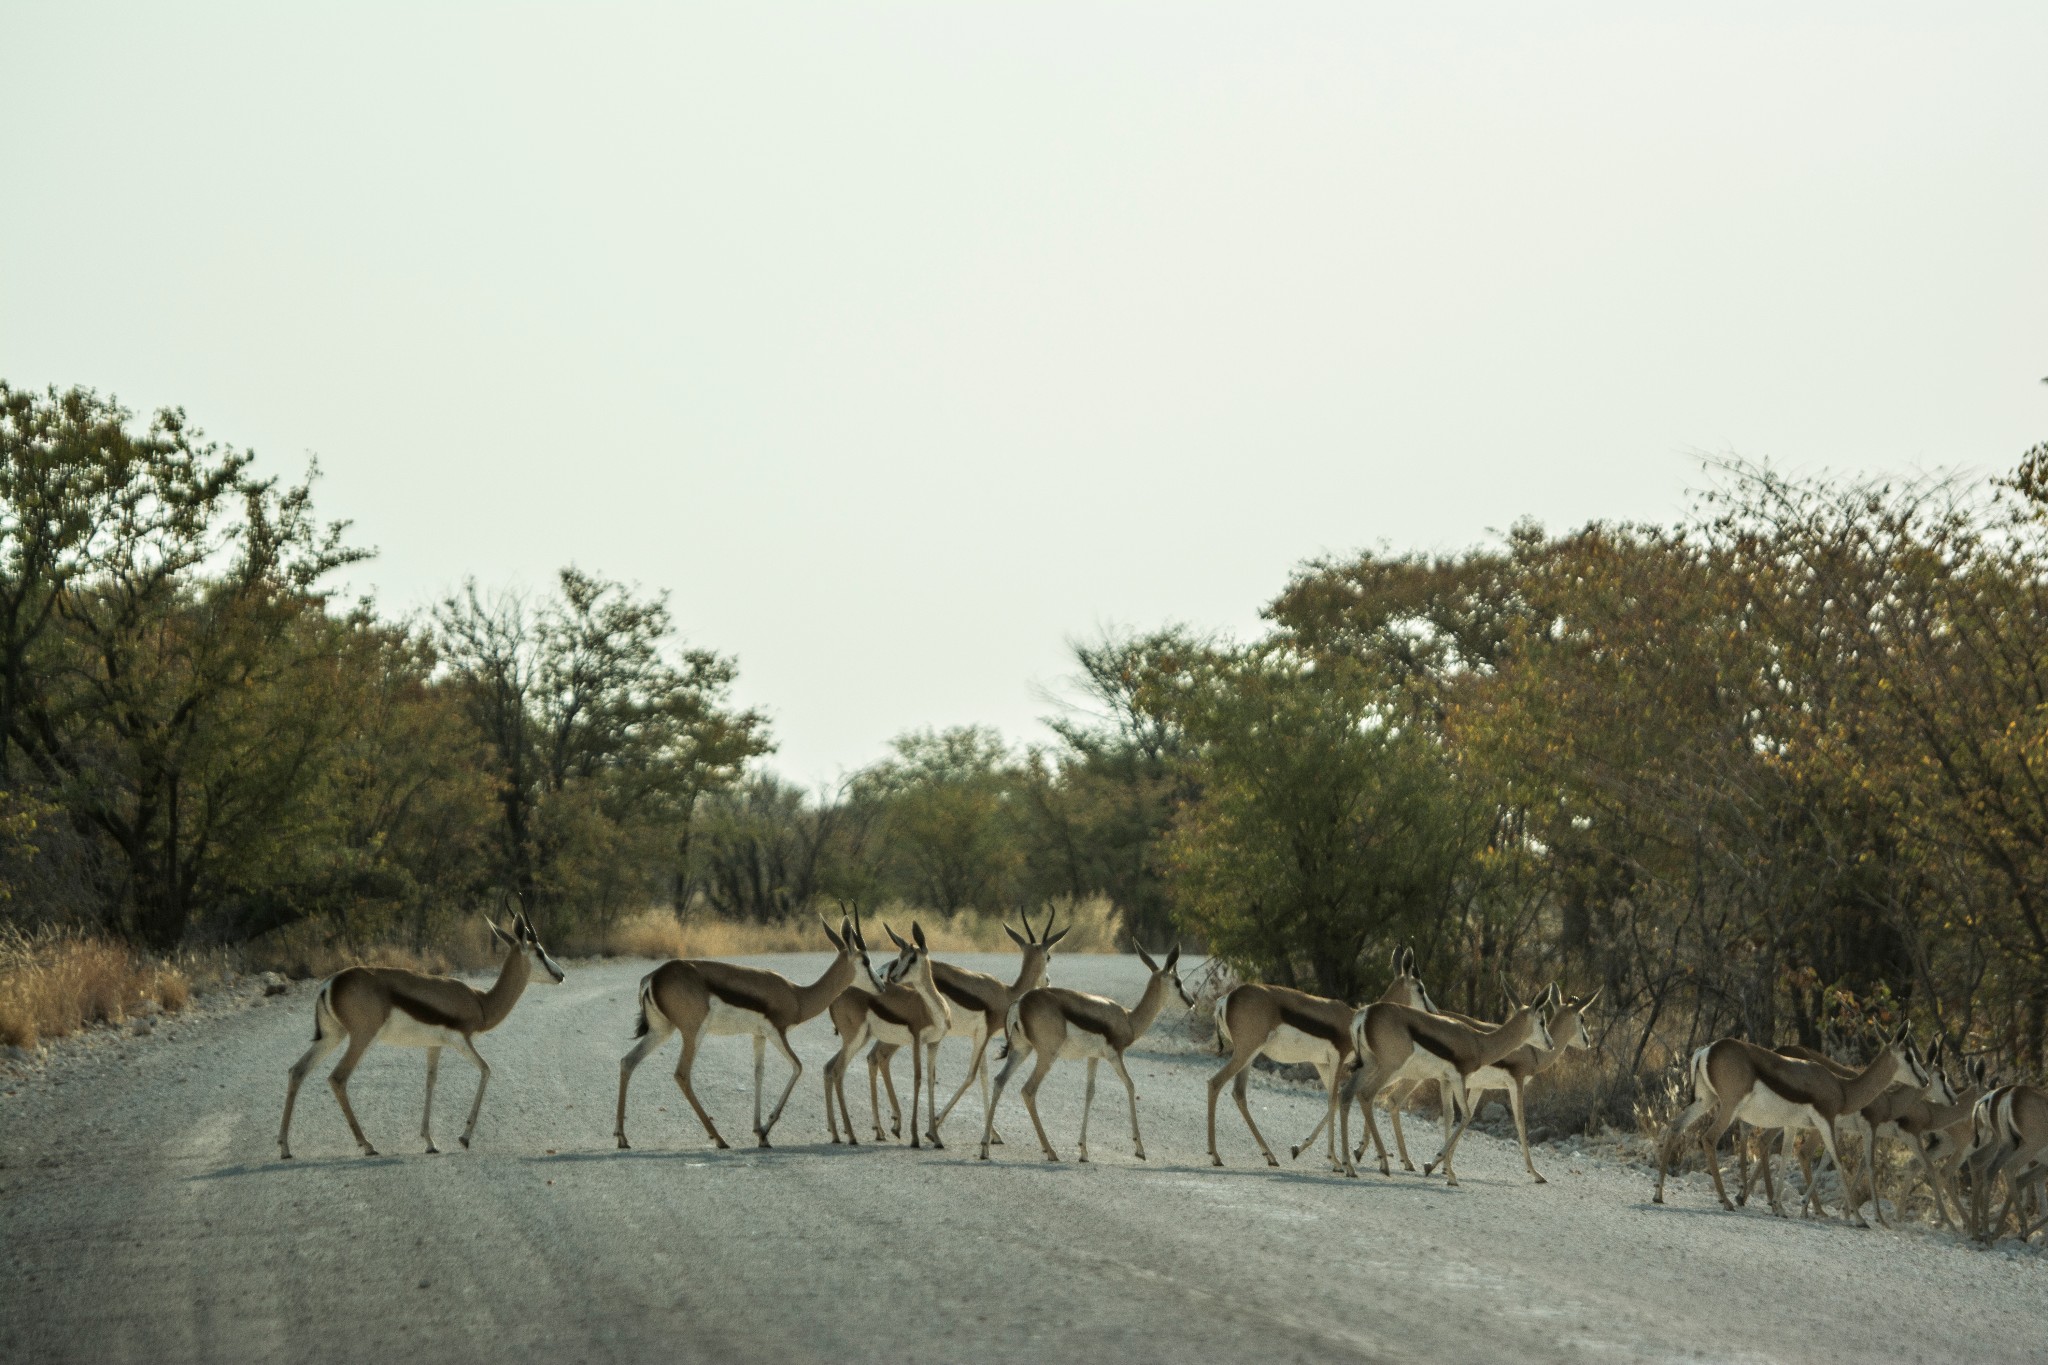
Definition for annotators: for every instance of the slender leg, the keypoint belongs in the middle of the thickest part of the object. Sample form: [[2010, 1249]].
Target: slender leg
[[831, 1079], [916, 1081], [977, 1045], [427, 1118], [1453, 1095], [1087, 1104], [296, 1077], [1933, 1177], [982, 1067], [1030, 1092], [337, 1081], [1394, 1106], [659, 1029], [1668, 1148], [1234, 1068], [760, 1056], [483, 1078], [683, 1083], [1764, 1159], [1710, 1143], [1850, 1213], [1237, 1093], [877, 1067], [796, 1071], [988, 1116], [931, 1094], [1116, 1059]]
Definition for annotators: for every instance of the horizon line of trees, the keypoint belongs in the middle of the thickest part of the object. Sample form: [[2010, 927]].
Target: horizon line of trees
[[1779, 768]]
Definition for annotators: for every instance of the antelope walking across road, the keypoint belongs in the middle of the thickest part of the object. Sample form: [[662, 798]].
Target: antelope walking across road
[[909, 1013], [1395, 1042], [1734, 1080], [694, 996], [1513, 1072], [1052, 1023], [980, 1003], [365, 1005]]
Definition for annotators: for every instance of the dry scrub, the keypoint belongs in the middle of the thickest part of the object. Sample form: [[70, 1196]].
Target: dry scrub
[[659, 934], [54, 984]]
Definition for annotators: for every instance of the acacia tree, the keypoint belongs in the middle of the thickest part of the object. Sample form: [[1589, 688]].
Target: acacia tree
[[1328, 825], [604, 736]]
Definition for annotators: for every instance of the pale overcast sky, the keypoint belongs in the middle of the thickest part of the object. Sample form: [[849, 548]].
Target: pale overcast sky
[[903, 343]]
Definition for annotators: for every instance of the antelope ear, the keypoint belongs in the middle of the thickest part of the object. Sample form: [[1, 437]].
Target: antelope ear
[[837, 942], [1587, 1003], [917, 932], [1397, 960], [498, 934], [894, 937], [1015, 937], [1048, 942], [1146, 958], [1173, 957]]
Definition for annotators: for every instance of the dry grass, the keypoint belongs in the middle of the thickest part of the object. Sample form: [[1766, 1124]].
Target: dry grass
[[315, 949], [658, 934], [54, 984]]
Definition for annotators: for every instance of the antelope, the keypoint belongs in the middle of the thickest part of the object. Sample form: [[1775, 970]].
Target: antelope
[[1054, 1023], [700, 996], [1514, 1071], [1903, 1112], [1405, 989], [1292, 1026], [1734, 1079], [979, 1003], [365, 1005], [2010, 1138], [1395, 1042], [910, 1013]]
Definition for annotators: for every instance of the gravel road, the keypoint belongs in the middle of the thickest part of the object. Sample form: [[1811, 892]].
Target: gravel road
[[144, 1216]]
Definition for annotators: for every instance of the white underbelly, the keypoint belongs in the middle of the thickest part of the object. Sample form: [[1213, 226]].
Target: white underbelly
[[1766, 1108], [1079, 1042], [402, 1030], [730, 1020], [1289, 1045], [1424, 1065]]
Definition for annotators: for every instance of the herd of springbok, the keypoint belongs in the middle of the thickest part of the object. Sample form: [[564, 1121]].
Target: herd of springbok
[[1972, 1138]]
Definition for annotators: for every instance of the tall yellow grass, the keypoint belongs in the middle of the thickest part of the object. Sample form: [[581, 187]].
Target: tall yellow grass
[[658, 934], [54, 984]]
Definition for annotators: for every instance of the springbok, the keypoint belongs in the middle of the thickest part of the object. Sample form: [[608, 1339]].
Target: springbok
[[1053, 1023], [696, 996], [365, 1005], [909, 1013], [1511, 1073], [979, 1003], [1734, 1080], [1292, 1026], [1405, 989], [2009, 1138], [1903, 1112], [1396, 1042]]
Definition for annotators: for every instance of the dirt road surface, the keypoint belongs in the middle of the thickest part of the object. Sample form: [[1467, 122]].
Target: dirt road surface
[[144, 1216]]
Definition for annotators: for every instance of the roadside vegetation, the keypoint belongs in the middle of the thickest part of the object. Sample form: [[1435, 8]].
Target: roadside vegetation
[[1779, 769]]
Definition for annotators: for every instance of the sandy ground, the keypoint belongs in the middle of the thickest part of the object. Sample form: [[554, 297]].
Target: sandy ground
[[144, 1216]]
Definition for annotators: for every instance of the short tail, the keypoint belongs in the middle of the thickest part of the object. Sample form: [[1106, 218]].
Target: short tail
[[646, 1003], [323, 1009], [1223, 1041], [1013, 1034]]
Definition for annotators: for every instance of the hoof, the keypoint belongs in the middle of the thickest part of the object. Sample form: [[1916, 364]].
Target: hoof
[[1140, 1154], [368, 1150], [432, 1150], [1081, 1160], [1215, 1160], [1541, 1181], [1427, 1168], [464, 1140], [1451, 1182], [835, 1140], [1271, 1160], [984, 1155], [1728, 1206], [1351, 1175], [623, 1146], [723, 1145], [1656, 1199], [1052, 1156], [284, 1156]]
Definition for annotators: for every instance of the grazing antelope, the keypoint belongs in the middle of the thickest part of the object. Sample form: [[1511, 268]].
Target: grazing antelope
[[2009, 1138], [1734, 1080], [979, 1003], [365, 1005], [1514, 1071], [1405, 989], [1054, 1023], [697, 996], [1395, 1042], [909, 1013]]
